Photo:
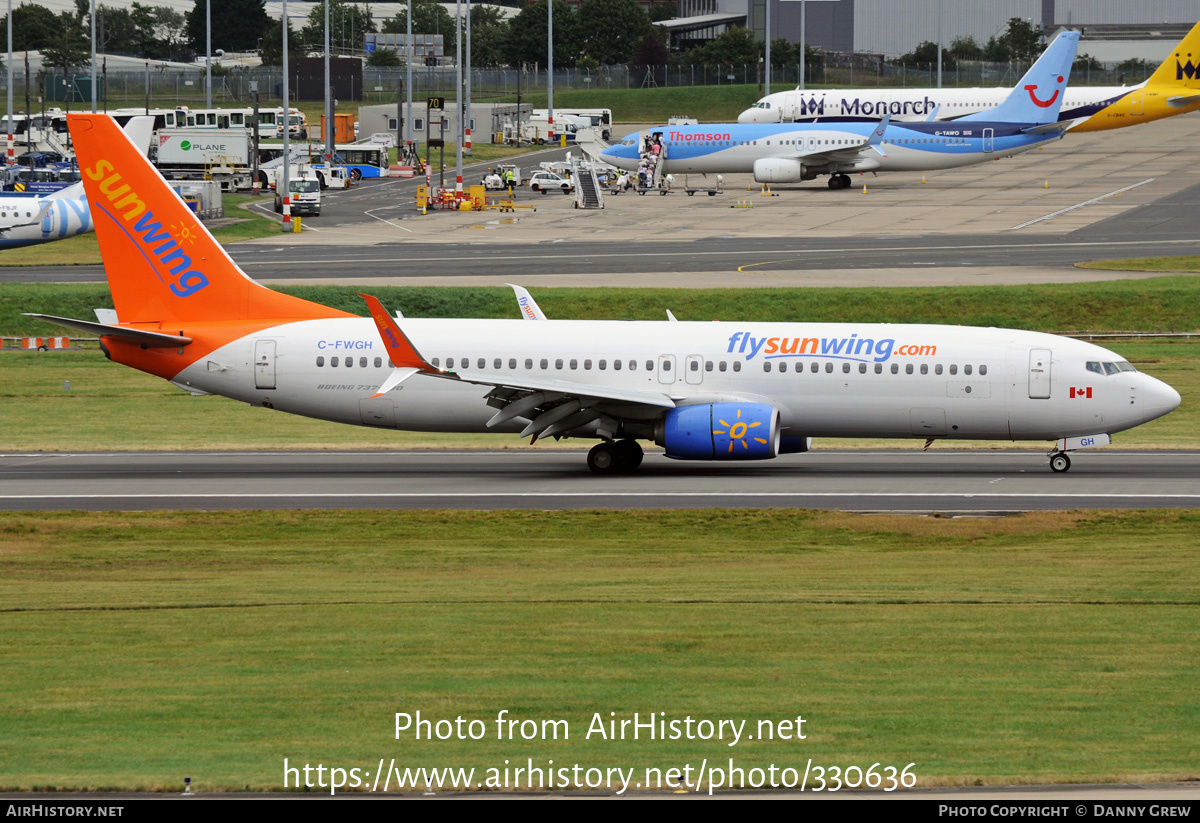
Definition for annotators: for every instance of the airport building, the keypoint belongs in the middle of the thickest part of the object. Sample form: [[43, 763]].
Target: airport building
[[1114, 30]]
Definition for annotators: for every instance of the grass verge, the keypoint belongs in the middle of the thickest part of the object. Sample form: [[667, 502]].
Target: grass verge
[[1163, 264], [1046, 647]]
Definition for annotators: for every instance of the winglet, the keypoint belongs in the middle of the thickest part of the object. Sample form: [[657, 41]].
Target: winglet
[[933, 115], [877, 135], [400, 349], [530, 310]]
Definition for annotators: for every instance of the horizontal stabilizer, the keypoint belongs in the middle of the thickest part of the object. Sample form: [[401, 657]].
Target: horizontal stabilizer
[[1180, 100], [150, 339], [1049, 128]]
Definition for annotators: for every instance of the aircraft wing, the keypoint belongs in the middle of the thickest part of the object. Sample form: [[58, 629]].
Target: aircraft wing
[[37, 218], [552, 406]]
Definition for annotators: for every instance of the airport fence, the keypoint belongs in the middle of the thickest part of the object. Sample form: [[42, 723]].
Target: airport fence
[[161, 88]]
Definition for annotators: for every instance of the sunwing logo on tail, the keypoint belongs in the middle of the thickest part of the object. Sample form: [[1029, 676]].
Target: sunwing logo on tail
[[1188, 70], [160, 247], [1042, 104]]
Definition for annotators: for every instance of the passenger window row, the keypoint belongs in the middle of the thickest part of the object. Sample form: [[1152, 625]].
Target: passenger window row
[[348, 362], [894, 368]]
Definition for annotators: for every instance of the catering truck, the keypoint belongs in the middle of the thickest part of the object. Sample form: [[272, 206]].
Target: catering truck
[[222, 155]]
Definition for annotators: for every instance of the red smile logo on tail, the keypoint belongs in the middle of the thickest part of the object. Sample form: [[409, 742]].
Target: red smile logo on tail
[[1042, 104]]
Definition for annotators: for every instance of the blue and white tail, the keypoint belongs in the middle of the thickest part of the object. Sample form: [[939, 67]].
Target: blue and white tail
[[1039, 96]]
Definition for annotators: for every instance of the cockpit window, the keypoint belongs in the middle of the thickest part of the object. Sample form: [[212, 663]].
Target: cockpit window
[[1109, 368], [629, 141]]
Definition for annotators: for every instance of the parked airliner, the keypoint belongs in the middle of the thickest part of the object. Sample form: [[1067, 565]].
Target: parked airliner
[[1173, 89], [740, 390], [27, 220], [791, 152]]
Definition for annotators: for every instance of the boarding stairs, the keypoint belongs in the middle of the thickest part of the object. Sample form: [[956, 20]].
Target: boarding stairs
[[587, 187]]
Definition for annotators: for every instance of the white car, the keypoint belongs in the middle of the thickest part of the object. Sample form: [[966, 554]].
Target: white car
[[545, 181]]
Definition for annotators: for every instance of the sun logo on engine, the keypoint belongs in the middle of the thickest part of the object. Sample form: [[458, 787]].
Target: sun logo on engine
[[738, 430]]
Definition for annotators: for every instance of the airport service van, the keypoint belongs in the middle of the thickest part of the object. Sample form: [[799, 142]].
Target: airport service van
[[304, 186]]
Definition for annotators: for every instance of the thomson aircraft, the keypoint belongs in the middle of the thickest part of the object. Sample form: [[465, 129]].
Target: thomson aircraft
[[1173, 89], [792, 152], [740, 390], [27, 220]]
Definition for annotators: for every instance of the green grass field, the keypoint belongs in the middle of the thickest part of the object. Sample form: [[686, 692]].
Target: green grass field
[[142, 648], [1159, 264]]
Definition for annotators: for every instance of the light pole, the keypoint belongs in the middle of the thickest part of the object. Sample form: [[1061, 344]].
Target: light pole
[[549, 70], [328, 100], [93, 32], [803, 44], [467, 85], [767, 87], [207, 53], [287, 151], [9, 124], [458, 101], [408, 135]]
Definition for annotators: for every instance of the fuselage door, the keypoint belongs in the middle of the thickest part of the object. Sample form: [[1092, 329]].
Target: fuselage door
[[666, 368], [1039, 374], [264, 364], [989, 136], [1136, 103], [694, 370]]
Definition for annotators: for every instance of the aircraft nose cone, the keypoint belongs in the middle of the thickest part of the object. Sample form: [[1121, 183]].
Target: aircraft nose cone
[[1159, 399]]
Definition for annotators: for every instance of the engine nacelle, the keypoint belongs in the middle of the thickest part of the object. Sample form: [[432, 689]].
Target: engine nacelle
[[721, 431], [779, 170]]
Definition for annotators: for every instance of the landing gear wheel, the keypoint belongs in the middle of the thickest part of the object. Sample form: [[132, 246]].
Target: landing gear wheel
[[1059, 463], [843, 181], [629, 455], [835, 182], [602, 459]]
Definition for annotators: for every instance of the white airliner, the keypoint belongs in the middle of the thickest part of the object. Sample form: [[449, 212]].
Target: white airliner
[[738, 390], [793, 152], [27, 220], [1171, 90]]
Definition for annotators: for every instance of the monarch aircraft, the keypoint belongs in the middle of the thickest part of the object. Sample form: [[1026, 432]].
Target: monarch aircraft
[[1173, 89], [792, 152], [27, 220], [704, 391]]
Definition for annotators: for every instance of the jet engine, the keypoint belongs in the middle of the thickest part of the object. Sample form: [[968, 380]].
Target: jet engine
[[779, 170], [720, 431]]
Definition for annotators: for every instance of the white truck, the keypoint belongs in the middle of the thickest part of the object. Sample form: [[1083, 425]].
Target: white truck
[[222, 155], [304, 186]]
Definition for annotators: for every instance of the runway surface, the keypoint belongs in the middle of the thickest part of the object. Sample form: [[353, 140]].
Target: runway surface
[[965, 482]]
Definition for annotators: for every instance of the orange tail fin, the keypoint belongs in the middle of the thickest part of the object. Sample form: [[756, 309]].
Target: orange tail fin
[[162, 264]]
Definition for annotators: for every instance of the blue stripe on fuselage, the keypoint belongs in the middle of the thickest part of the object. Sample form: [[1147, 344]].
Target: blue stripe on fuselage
[[683, 142]]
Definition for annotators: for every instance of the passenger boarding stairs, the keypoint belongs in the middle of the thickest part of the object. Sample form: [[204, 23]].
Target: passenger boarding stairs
[[587, 187]]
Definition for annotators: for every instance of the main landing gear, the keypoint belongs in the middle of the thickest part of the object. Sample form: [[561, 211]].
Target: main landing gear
[[839, 181], [615, 457], [1059, 462]]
